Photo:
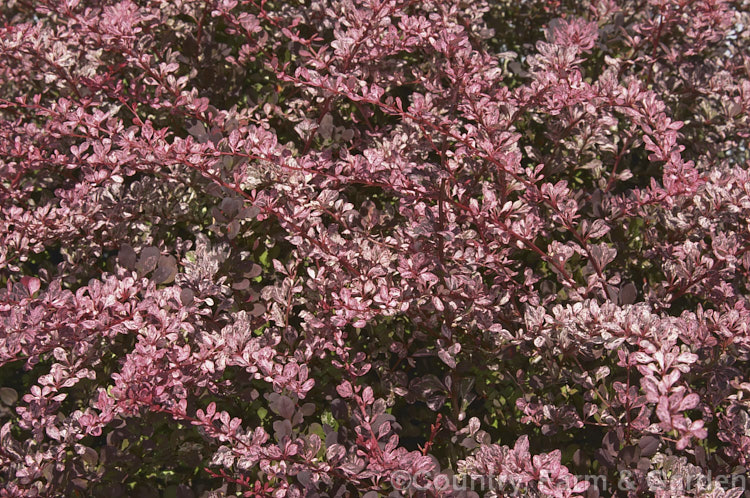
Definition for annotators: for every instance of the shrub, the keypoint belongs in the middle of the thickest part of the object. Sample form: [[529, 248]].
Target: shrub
[[354, 247]]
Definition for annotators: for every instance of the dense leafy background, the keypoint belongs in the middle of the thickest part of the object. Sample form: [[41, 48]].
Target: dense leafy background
[[301, 248]]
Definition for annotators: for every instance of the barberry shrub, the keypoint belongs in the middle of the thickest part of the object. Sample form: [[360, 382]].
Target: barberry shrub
[[357, 247]]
